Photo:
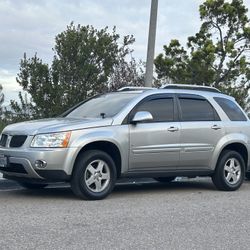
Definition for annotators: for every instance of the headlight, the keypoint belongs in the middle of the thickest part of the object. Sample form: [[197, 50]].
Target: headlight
[[55, 140]]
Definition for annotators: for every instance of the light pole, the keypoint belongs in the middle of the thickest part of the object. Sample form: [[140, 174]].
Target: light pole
[[151, 43]]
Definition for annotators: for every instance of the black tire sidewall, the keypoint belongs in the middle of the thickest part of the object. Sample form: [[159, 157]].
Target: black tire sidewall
[[79, 174], [220, 170]]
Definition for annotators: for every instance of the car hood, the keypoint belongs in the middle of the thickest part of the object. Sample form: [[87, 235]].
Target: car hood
[[55, 125]]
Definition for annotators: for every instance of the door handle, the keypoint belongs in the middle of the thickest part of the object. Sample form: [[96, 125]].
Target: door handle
[[215, 127], [173, 129]]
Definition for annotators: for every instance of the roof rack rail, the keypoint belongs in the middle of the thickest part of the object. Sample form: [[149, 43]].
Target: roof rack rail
[[128, 88], [191, 87]]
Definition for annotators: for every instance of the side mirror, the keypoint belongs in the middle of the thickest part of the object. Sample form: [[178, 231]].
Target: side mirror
[[142, 116]]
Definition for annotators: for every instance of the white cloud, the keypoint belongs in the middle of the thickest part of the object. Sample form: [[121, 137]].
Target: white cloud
[[31, 26], [8, 80], [10, 86]]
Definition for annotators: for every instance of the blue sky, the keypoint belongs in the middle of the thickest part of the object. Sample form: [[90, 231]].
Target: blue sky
[[30, 26]]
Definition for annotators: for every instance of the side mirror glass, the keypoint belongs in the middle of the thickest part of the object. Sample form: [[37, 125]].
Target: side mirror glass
[[142, 116]]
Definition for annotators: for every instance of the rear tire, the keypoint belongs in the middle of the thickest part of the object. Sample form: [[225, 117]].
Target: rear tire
[[94, 175], [165, 179], [30, 185], [230, 171]]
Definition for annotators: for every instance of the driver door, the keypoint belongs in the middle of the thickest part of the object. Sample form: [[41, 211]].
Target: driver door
[[155, 144]]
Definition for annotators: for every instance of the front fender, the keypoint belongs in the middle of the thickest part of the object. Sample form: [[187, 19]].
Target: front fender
[[119, 137]]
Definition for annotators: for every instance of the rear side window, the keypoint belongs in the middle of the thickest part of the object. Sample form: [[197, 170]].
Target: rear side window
[[233, 112], [197, 110], [162, 109]]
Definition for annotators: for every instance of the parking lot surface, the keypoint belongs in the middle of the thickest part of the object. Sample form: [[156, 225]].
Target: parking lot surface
[[185, 214]]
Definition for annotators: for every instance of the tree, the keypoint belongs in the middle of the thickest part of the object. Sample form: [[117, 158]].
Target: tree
[[20, 111], [86, 61], [126, 73], [218, 55], [35, 79]]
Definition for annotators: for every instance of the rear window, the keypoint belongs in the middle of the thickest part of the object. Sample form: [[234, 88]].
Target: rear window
[[231, 109]]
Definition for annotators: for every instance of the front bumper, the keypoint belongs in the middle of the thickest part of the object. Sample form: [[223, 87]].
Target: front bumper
[[21, 163]]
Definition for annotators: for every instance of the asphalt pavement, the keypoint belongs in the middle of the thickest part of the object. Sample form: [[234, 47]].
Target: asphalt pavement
[[185, 214]]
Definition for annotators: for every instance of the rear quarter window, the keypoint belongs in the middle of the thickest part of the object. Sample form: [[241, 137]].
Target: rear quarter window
[[231, 109]]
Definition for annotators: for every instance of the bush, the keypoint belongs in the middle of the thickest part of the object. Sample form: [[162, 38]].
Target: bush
[[2, 125]]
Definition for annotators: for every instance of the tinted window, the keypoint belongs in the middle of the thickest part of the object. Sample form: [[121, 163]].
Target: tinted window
[[106, 105], [197, 110], [162, 109], [231, 109]]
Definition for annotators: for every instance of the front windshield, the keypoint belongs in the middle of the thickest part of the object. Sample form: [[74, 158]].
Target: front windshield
[[107, 105]]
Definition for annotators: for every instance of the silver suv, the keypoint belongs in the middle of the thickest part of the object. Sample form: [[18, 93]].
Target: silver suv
[[160, 133]]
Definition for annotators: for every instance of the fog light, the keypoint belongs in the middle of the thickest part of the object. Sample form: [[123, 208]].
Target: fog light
[[40, 164]]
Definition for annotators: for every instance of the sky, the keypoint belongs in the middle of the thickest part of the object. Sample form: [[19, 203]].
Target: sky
[[30, 26]]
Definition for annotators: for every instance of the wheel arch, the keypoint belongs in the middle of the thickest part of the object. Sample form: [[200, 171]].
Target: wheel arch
[[238, 146], [106, 146]]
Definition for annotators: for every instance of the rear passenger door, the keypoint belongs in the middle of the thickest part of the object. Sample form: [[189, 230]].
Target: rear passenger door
[[201, 129]]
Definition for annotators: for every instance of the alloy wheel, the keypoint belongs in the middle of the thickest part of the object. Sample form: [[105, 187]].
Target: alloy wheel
[[232, 171], [97, 176]]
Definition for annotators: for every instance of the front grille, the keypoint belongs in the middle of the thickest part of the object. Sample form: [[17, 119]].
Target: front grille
[[14, 168], [3, 140], [17, 141]]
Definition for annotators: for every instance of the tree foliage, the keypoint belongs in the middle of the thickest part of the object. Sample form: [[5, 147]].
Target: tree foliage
[[20, 111], [218, 55], [86, 61], [127, 73]]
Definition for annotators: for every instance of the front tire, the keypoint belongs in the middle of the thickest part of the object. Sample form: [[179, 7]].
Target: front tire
[[230, 171], [94, 175]]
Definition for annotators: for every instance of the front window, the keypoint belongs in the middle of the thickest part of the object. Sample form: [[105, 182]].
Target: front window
[[107, 105], [162, 109]]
